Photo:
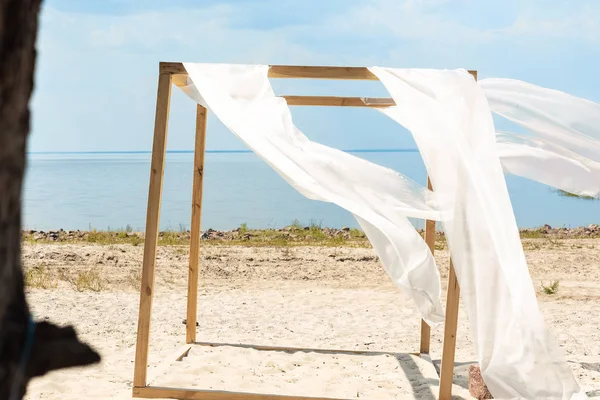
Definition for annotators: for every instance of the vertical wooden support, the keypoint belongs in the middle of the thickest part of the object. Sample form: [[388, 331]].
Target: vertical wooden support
[[163, 99], [430, 240], [451, 323], [450, 327], [199, 150]]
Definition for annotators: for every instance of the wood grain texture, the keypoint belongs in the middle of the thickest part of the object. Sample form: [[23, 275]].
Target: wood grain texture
[[199, 151], [297, 71], [157, 167], [430, 240], [152, 392], [333, 101], [293, 71], [450, 326]]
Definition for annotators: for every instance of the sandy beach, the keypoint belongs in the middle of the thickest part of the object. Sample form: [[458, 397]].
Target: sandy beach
[[323, 297]]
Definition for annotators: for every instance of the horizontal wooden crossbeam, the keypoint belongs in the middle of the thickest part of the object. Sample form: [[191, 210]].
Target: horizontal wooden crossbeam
[[295, 71], [333, 101], [155, 392]]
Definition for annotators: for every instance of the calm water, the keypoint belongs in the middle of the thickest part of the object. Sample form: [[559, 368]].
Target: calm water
[[79, 191]]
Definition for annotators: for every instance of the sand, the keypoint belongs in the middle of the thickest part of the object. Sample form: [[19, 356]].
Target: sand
[[313, 297]]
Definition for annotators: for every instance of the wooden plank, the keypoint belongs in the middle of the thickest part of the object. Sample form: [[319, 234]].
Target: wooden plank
[[321, 72], [430, 240], [163, 99], [154, 392], [333, 101], [179, 79], [450, 327], [171, 68], [297, 71], [296, 349], [294, 71], [199, 151]]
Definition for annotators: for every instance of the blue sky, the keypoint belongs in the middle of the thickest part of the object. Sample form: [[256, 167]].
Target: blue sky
[[98, 60]]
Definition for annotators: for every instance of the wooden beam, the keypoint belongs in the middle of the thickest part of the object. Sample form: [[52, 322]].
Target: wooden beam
[[450, 327], [430, 240], [333, 101], [163, 99], [297, 349], [293, 71], [179, 79], [318, 72], [172, 68], [296, 71], [199, 151], [154, 392]]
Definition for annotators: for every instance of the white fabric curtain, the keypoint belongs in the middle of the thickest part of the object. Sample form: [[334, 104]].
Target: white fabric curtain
[[449, 117], [381, 199], [551, 164], [562, 148]]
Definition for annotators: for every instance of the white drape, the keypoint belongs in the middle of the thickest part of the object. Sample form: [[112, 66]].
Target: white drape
[[381, 199], [551, 164], [562, 148], [450, 118]]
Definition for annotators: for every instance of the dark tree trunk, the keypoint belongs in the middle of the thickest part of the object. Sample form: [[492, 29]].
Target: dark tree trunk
[[52, 347]]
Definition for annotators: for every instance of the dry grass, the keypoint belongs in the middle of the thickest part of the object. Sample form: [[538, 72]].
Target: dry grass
[[40, 278], [314, 236], [89, 280]]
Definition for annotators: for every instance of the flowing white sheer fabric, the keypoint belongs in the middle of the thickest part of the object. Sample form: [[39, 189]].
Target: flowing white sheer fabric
[[563, 148], [551, 164], [381, 199], [449, 117]]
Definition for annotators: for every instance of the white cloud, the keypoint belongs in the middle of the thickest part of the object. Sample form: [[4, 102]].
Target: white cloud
[[97, 72], [579, 23], [461, 21]]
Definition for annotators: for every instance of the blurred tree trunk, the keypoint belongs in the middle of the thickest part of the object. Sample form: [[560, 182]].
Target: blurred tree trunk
[[53, 347]]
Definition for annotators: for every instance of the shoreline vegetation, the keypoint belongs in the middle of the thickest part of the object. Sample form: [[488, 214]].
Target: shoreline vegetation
[[292, 235]]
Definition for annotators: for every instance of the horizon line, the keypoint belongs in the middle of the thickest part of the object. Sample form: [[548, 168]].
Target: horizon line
[[397, 150]]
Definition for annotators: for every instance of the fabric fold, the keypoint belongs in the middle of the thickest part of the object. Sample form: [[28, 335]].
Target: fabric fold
[[563, 119], [451, 122], [380, 199], [449, 115], [562, 145], [551, 164]]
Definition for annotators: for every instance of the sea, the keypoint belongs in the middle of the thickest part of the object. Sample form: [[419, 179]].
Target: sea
[[109, 191]]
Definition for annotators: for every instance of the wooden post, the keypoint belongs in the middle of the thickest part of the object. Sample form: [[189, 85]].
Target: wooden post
[[192, 300], [430, 240], [451, 323], [163, 99]]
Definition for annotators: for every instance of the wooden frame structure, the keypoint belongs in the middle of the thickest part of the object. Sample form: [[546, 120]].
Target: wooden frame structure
[[175, 73]]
